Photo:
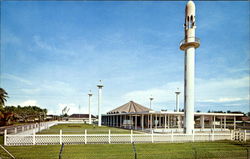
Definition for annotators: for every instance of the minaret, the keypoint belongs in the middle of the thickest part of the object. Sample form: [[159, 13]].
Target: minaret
[[99, 103], [189, 44], [177, 99], [90, 94]]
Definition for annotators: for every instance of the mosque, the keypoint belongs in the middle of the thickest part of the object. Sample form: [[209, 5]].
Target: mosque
[[135, 116]]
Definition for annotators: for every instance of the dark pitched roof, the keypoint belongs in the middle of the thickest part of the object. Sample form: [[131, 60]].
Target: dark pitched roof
[[130, 107], [81, 116]]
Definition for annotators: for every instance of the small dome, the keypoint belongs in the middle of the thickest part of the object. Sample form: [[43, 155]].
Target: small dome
[[190, 8]]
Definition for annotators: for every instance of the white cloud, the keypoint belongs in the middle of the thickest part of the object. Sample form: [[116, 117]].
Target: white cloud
[[29, 103], [221, 100], [16, 78], [161, 95], [223, 90], [207, 90]]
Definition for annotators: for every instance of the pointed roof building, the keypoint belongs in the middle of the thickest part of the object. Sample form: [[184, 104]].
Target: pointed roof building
[[130, 107]]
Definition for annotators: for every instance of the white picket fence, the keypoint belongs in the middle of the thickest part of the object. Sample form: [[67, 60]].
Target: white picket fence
[[28, 129], [34, 139]]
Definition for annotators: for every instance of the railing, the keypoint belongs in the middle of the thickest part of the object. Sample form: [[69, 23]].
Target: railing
[[28, 129], [34, 139], [191, 41]]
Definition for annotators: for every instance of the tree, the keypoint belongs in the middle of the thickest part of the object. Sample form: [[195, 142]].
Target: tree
[[3, 96]]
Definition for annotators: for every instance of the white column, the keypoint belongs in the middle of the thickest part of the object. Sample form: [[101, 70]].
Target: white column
[[99, 104], [151, 118], [160, 120], [221, 122], [214, 122], [189, 89], [165, 121], [225, 122], [234, 122], [168, 121], [120, 120], [135, 122], [131, 121], [148, 120], [156, 121], [179, 121], [117, 123], [202, 121], [142, 122], [111, 120], [107, 120]]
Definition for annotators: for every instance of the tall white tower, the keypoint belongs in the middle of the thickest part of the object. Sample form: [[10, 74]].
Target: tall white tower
[[189, 44], [99, 103], [90, 95]]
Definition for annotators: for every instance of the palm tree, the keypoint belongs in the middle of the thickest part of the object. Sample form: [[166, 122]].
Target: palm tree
[[3, 96], [3, 115]]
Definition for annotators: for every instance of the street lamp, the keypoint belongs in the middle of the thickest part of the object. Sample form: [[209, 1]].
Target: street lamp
[[150, 100]]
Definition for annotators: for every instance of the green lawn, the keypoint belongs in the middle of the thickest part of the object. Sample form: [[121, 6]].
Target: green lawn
[[203, 150], [190, 150], [80, 129]]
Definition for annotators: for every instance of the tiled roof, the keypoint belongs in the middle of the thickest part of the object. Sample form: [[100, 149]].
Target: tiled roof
[[130, 107]]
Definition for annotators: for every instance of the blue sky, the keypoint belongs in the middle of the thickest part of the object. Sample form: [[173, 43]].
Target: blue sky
[[53, 53]]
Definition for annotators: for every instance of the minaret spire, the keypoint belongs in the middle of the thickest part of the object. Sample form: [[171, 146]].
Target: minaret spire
[[189, 44]]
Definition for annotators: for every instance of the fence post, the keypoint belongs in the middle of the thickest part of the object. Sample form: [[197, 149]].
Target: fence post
[[193, 135], [85, 137], [5, 137], [172, 136], [15, 130], [245, 135], [22, 128], [152, 136], [109, 136], [131, 136], [231, 133], [34, 137], [60, 137]]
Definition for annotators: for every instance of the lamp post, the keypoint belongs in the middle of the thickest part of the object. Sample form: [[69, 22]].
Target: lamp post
[[177, 99], [177, 108], [90, 95], [150, 101], [99, 102]]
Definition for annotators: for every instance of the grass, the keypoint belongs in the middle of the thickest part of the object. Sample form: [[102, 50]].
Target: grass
[[80, 129], [190, 150], [209, 150]]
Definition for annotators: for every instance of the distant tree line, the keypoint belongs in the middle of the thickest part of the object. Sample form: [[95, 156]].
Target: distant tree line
[[10, 114]]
